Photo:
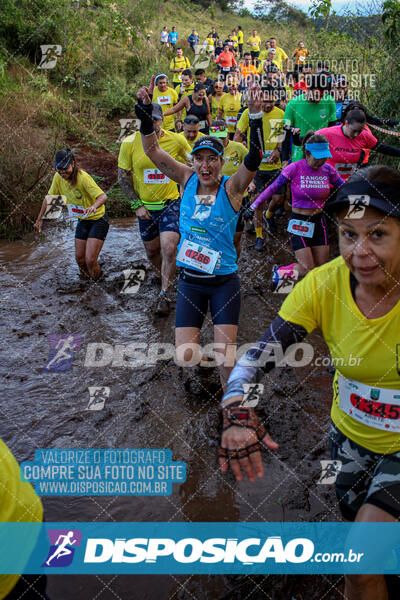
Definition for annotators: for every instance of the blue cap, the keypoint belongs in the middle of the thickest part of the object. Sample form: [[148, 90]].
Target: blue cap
[[211, 143], [319, 150]]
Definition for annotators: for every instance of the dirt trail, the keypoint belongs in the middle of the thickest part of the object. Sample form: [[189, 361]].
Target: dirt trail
[[162, 406]]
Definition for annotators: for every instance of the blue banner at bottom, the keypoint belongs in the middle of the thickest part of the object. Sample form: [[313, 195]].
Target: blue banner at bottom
[[200, 548]]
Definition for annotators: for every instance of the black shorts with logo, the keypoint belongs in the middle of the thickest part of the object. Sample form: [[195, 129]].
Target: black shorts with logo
[[320, 234]]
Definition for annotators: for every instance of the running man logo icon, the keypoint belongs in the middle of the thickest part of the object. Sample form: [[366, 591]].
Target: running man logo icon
[[62, 352], [252, 394], [286, 283], [330, 469], [133, 280], [97, 397], [62, 547], [201, 60], [128, 126], [357, 205], [50, 53], [204, 204], [54, 206], [276, 133]]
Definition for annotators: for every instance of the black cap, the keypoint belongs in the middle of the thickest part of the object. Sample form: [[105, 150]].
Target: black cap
[[63, 159], [211, 143], [363, 194]]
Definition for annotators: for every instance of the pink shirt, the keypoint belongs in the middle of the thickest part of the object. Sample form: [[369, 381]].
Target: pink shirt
[[346, 152]]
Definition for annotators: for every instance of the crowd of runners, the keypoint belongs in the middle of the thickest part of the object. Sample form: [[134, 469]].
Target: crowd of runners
[[272, 133]]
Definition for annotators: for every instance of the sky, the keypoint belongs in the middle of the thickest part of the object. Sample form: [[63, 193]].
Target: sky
[[339, 6]]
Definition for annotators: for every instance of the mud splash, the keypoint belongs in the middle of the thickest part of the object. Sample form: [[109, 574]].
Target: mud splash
[[162, 406]]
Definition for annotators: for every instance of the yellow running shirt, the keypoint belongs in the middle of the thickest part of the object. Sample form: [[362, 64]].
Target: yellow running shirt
[[255, 42], [150, 185], [179, 63], [18, 503], [240, 36], [84, 193], [191, 144], [235, 41], [234, 154], [215, 100], [272, 129], [209, 44], [362, 350], [280, 56], [230, 105], [166, 100], [183, 92]]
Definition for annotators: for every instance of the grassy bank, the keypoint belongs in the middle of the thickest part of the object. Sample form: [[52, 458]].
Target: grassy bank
[[106, 56]]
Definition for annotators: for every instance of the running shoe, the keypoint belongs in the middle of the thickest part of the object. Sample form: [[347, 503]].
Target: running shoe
[[259, 245], [163, 307], [270, 223]]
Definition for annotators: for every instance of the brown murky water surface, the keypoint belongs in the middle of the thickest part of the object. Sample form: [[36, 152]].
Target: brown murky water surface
[[162, 406]]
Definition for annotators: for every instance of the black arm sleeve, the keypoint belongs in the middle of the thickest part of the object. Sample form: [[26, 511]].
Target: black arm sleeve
[[377, 121], [286, 145], [385, 149], [253, 158], [265, 354], [144, 113]]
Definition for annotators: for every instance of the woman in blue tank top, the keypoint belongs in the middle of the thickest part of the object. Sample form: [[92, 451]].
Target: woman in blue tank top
[[208, 215]]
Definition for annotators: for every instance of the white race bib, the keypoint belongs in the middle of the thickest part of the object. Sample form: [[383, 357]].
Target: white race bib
[[231, 120], [198, 257], [303, 228], [255, 44], [346, 169], [164, 100], [226, 68], [375, 407], [75, 210], [302, 58], [202, 124], [179, 76], [154, 176]]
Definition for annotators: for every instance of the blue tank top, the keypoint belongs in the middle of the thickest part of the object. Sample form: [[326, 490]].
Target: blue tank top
[[211, 225]]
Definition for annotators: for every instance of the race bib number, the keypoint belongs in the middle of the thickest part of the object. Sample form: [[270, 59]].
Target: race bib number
[[302, 58], [202, 124], [375, 407], [345, 169], [303, 228], [162, 100], [74, 210], [226, 68], [198, 257], [179, 77], [255, 44], [154, 176], [231, 120]]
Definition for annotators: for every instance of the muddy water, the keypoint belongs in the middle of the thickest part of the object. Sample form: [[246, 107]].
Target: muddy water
[[163, 406]]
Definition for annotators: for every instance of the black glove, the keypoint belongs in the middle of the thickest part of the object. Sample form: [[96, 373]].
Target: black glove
[[248, 214], [144, 113]]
